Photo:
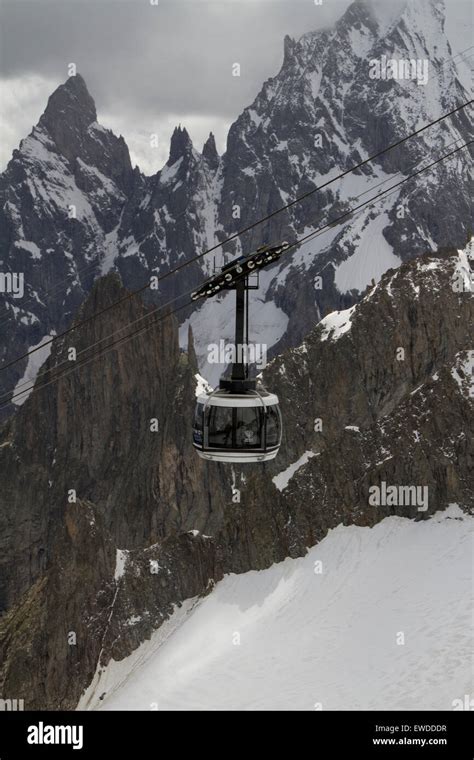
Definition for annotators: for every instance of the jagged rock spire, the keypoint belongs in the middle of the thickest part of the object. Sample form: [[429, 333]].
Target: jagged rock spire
[[209, 151], [180, 144], [69, 113], [71, 100], [289, 45], [191, 350]]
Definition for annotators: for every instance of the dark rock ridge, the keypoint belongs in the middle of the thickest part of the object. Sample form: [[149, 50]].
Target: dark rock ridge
[[142, 226], [180, 145], [153, 525], [210, 153]]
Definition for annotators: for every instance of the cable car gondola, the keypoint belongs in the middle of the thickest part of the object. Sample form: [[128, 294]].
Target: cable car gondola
[[239, 421]]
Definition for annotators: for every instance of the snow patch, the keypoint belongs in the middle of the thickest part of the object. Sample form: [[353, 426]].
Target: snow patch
[[336, 324], [202, 386], [283, 478], [168, 173], [432, 266], [462, 279], [373, 255], [463, 373], [28, 245], [120, 562], [35, 361]]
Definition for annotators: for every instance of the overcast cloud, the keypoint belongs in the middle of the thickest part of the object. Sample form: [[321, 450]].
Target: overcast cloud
[[150, 67]]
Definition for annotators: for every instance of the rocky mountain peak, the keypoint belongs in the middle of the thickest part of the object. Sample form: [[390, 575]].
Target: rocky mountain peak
[[359, 14], [69, 115], [181, 144], [289, 45], [382, 18], [70, 104], [400, 12], [209, 151], [427, 16]]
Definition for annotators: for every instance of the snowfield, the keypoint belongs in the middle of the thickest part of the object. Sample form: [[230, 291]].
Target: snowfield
[[372, 258], [25, 385], [320, 632]]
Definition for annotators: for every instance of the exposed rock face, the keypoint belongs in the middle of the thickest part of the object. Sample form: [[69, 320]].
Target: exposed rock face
[[68, 115], [180, 146], [90, 432], [85, 581], [361, 363], [209, 152], [320, 114], [61, 196]]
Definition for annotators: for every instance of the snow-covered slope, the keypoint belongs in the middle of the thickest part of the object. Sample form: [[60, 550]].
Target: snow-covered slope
[[371, 618]]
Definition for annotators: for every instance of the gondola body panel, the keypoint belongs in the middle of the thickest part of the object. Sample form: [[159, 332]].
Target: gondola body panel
[[240, 428]]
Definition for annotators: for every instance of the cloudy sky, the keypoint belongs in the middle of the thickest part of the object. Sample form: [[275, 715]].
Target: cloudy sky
[[151, 64]]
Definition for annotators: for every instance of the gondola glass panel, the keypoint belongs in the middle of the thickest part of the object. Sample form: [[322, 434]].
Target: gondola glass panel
[[273, 426], [198, 424], [220, 427], [237, 428], [248, 427]]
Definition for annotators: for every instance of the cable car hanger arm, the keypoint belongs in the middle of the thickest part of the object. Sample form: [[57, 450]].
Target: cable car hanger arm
[[239, 269]]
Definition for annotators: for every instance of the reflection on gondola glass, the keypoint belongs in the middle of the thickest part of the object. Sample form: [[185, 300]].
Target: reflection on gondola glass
[[273, 425], [248, 427], [220, 427]]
